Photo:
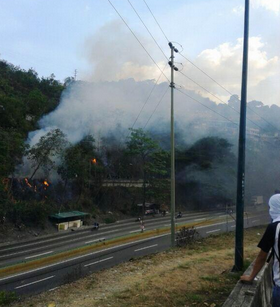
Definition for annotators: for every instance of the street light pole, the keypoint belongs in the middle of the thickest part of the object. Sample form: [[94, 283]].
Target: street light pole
[[239, 233], [171, 63]]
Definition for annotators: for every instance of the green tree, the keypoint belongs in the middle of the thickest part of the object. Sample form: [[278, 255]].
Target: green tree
[[152, 164], [79, 162], [49, 146]]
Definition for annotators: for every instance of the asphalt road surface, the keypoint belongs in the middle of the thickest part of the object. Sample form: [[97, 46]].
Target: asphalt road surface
[[49, 277]]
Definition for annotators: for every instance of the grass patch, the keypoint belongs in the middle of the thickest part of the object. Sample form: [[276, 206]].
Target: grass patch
[[6, 298]]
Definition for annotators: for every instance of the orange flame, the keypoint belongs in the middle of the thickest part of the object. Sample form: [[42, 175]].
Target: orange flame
[[46, 183]]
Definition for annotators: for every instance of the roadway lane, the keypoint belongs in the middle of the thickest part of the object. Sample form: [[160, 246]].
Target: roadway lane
[[54, 275], [30, 250]]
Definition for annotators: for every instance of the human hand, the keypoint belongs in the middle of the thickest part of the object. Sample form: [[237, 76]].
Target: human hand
[[246, 279]]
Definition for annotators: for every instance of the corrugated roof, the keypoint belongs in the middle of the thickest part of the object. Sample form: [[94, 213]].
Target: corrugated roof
[[64, 215]]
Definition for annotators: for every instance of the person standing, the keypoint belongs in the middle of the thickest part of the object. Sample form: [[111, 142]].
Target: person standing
[[270, 241]]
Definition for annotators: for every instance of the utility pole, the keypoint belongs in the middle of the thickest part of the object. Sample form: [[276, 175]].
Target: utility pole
[[239, 232], [75, 74], [171, 63]]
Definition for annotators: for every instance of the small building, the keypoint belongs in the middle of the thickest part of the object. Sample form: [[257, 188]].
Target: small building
[[66, 220]]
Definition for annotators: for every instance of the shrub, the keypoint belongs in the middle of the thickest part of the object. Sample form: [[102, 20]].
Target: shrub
[[7, 298]]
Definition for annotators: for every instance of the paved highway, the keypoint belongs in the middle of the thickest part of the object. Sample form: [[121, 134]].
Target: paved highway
[[46, 246], [50, 276]]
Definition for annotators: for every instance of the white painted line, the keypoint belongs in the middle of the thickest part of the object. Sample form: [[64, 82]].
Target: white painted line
[[140, 249], [255, 221], [210, 225], [96, 240], [200, 219], [215, 230], [53, 289], [29, 257], [138, 230], [232, 226], [35, 282], [98, 261], [82, 256]]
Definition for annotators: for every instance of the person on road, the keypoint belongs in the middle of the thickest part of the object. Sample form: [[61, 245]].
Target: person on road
[[142, 226], [270, 241]]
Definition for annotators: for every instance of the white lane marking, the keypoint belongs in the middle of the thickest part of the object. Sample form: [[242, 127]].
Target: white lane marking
[[35, 282], [82, 256], [98, 261], [232, 226], [135, 231], [53, 289], [38, 255], [211, 225], [96, 240], [71, 241], [215, 230], [200, 219], [140, 249], [255, 221]]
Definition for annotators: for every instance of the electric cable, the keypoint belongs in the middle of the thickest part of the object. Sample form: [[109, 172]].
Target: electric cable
[[137, 39], [218, 99], [217, 112], [226, 90], [148, 30], [147, 99], [156, 107], [156, 21]]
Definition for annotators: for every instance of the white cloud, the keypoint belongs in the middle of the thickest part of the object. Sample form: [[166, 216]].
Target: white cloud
[[239, 10], [271, 5], [224, 64]]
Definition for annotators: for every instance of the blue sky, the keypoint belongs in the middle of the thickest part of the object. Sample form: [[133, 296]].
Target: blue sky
[[63, 35]]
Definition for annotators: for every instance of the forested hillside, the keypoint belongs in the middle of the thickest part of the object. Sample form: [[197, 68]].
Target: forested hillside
[[24, 98]]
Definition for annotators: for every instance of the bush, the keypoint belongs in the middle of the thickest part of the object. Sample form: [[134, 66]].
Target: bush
[[32, 213], [7, 298], [109, 220]]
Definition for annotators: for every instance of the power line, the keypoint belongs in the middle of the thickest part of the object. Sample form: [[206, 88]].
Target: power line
[[156, 21], [146, 100], [218, 98], [206, 106], [217, 112], [148, 30], [205, 73], [226, 90], [156, 107], [208, 74], [137, 39]]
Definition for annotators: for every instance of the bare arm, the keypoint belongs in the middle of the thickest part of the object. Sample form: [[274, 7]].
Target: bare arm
[[259, 263]]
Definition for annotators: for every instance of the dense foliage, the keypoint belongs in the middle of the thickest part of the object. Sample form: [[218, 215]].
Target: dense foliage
[[24, 99]]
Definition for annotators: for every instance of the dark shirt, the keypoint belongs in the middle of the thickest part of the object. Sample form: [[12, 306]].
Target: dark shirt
[[268, 239]]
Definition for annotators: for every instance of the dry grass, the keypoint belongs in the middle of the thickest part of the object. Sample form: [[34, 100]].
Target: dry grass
[[197, 276]]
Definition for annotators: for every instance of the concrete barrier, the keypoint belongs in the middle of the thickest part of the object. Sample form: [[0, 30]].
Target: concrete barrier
[[257, 294]]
